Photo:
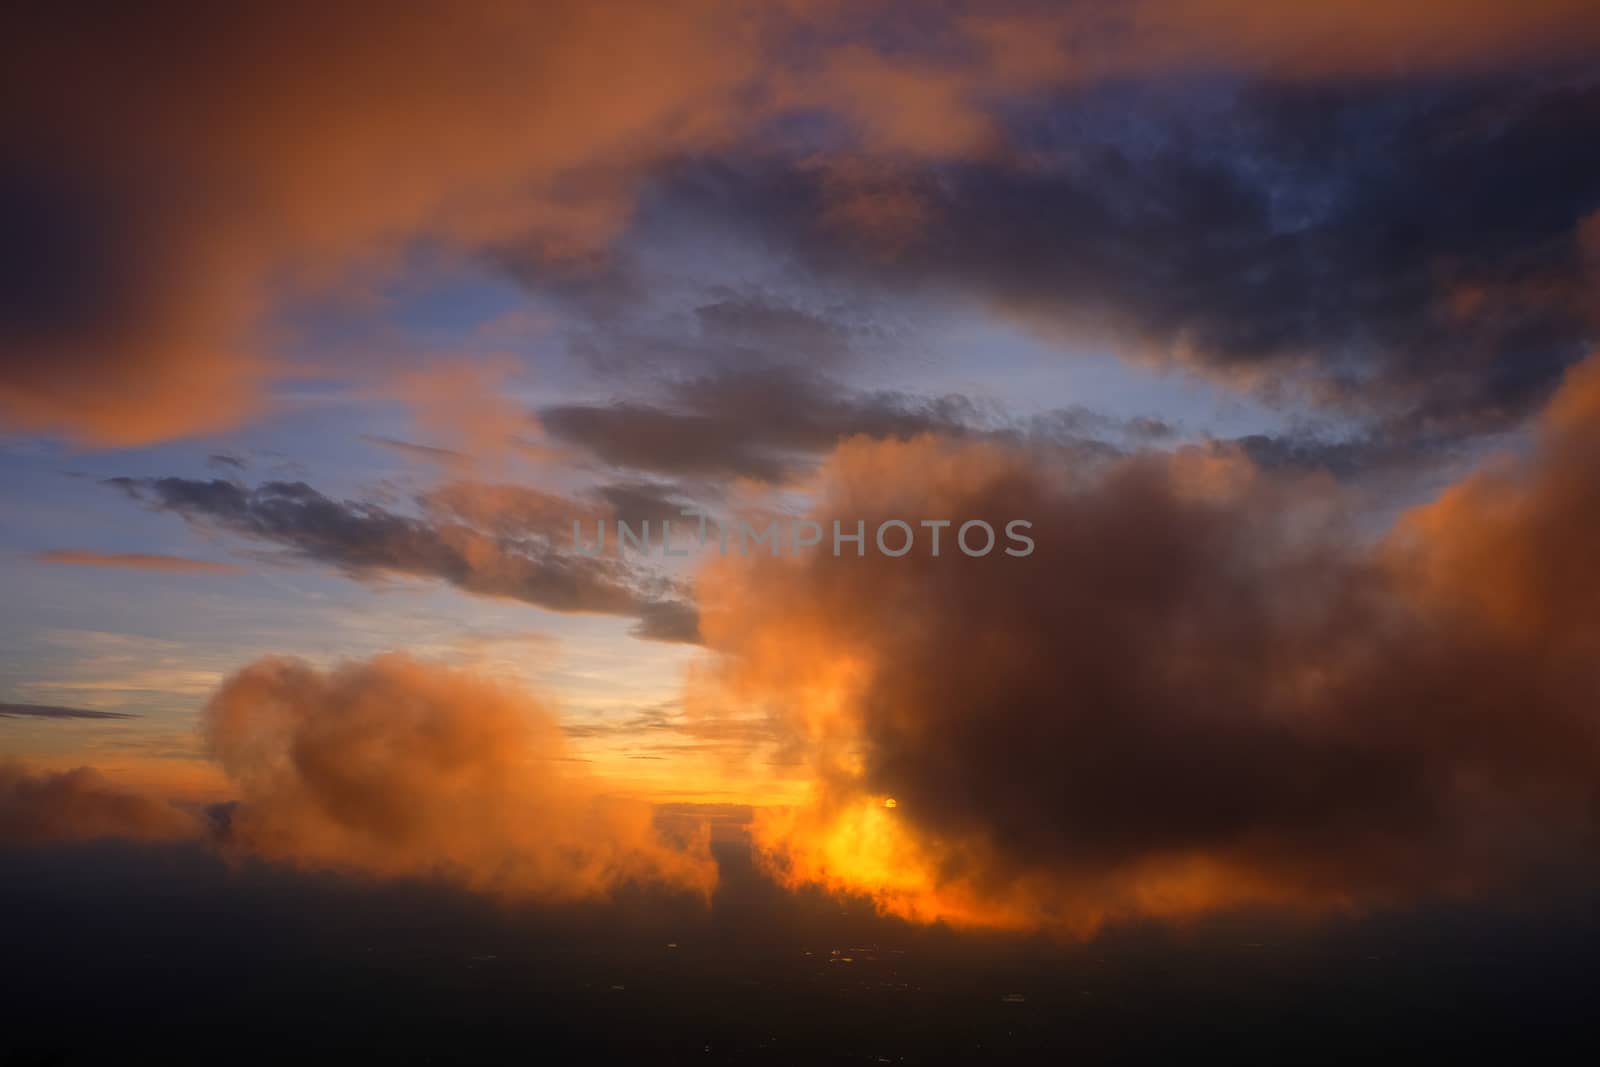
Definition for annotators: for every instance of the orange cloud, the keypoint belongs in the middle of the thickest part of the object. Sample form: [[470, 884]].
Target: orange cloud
[[138, 561], [392, 767], [1510, 544], [1203, 690], [196, 158], [385, 768], [197, 164], [82, 805]]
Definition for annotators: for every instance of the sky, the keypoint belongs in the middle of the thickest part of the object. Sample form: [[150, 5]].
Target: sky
[[330, 336]]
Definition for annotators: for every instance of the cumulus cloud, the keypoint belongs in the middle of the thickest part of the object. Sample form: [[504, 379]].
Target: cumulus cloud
[[1204, 689], [82, 805], [392, 767], [387, 768]]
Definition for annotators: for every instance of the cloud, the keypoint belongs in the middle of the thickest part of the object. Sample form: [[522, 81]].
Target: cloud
[[764, 423], [392, 767], [447, 457], [467, 407], [1204, 689], [161, 202], [930, 91], [387, 768], [1507, 545], [112, 320], [668, 731], [137, 561], [1019, 44], [499, 541], [51, 711], [1409, 252], [81, 805], [774, 423], [640, 502], [152, 203]]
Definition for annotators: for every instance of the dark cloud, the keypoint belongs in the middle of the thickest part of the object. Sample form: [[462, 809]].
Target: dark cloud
[[645, 437], [772, 423], [1309, 452], [636, 503], [668, 620], [487, 540], [1407, 252], [1399, 459], [628, 319], [105, 302], [157, 199], [763, 424], [1203, 688], [51, 711]]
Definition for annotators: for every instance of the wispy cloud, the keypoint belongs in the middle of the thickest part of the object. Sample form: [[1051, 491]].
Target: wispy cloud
[[53, 711], [487, 540], [137, 561]]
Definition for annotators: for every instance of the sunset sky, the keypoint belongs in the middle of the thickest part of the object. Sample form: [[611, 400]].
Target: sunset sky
[[322, 324]]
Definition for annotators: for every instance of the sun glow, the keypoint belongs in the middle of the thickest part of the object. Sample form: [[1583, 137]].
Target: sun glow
[[866, 848]]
